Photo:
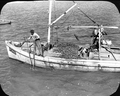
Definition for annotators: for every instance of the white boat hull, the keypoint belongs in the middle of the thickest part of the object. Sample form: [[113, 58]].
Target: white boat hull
[[62, 63]]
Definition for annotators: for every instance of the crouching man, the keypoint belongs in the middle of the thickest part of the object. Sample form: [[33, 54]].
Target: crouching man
[[84, 51]]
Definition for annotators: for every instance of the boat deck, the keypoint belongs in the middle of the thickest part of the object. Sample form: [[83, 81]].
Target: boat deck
[[51, 53], [113, 54]]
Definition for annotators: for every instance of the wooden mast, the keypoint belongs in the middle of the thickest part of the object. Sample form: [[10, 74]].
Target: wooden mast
[[49, 22], [99, 30]]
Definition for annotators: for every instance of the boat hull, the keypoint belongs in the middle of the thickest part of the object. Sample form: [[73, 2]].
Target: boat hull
[[4, 22], [61, 63]]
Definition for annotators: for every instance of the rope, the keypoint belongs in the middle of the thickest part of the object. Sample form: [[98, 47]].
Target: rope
[[34, 55], [54, 9], [88, 17], [61, 24], [66, 19], [111, 53], [29, 54]]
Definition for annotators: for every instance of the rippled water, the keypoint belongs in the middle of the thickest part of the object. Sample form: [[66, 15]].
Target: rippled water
[[17, 79]]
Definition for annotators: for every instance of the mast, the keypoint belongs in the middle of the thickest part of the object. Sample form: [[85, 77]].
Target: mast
[[99, 30], [49, 22]]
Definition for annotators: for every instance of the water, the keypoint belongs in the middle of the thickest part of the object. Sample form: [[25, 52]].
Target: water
[[17, 79]]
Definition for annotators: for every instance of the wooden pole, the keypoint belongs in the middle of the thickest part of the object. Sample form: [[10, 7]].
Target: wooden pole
[[49, 22], [99, 30]]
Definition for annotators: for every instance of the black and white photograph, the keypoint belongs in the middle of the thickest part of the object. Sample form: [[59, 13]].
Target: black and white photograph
[[60, 48]]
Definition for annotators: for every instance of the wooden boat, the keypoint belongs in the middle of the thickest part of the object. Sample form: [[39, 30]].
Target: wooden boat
[[106, 59], [4, 22]]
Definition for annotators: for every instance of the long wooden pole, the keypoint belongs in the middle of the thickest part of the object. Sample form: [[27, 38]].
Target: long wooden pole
[[99, 30], [49, 22]]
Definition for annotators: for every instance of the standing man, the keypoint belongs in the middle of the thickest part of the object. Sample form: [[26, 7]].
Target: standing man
[[95, 41], [95, 36], [36, 41]]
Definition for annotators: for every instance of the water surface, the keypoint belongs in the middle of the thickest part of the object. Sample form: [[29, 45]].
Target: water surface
[[17, 79]]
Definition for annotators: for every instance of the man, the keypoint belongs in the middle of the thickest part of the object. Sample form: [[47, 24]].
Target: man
[[84, 51], [36, 41], [95, 36]]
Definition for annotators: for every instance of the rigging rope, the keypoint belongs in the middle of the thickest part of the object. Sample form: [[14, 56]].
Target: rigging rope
[[66, 19], [30, 56], [61, 24], [88, 17], [55, 10], [55, 16], [34, 55]]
